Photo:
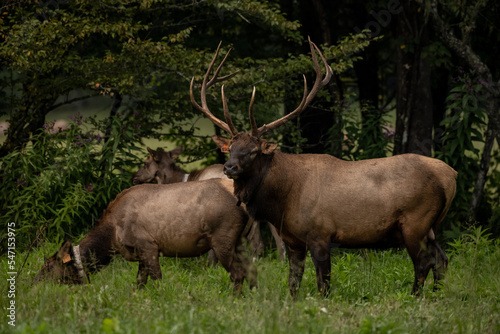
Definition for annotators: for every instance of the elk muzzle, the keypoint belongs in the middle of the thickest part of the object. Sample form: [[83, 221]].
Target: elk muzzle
[[231, 169]]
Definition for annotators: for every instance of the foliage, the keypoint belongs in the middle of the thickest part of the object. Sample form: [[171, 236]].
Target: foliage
[[472, 253], [61, 183], [145, 50], [464, 127], [371, 295], [148, 51], [364, 140], [492, 195]]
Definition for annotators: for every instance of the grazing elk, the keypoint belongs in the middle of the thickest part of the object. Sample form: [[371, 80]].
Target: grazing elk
[[160, 167], [317, 201], [147, 221]]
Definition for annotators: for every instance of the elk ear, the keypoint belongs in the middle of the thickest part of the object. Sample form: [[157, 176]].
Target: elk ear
[[154, 154], [63, 255], [221, 141], [267, 147], [176, 152]]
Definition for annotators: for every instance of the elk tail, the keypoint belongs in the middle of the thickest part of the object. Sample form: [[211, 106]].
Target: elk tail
[[449, 190]]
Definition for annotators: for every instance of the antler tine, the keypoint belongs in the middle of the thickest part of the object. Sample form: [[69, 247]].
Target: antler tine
[[318, 84], [227, 115], [253, 124], [207, 112], [216, 79], [206, 84], [266, 127], [307, 98]]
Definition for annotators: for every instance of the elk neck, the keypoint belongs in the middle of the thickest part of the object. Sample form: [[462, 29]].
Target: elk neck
[[247, 187], [96, 249], [267, 191]]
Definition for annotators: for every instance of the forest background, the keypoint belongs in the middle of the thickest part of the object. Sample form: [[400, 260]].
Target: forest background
[[409, 76]]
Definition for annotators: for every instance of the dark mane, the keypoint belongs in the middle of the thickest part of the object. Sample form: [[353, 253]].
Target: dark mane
[[99, 240]]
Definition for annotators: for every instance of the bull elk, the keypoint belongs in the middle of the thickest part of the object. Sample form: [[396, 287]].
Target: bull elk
[[148, 221], [317, 201], [160, 167]]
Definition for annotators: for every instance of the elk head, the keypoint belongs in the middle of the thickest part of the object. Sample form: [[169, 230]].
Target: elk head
[[64, 266], [159, 166], [244, 148]]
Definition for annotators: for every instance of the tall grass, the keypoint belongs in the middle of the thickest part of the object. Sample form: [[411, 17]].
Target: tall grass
[[370, 295]]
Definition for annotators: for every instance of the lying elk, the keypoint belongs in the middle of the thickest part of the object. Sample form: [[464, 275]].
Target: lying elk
[[160, 167], [149, 220], [317, 201]]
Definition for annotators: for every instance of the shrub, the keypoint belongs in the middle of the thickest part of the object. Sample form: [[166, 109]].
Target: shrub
[[61, 183], [464, 124]]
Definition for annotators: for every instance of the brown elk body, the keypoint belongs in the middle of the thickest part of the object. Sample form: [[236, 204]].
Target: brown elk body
[[147, 221], [317, 201], [160, 167]]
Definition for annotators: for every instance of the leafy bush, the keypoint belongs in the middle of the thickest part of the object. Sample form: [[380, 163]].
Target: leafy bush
[[61, 183], [366, 138], [462, 138], [492, 195]]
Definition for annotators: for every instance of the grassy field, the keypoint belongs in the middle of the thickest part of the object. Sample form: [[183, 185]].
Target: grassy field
[[371, 295]]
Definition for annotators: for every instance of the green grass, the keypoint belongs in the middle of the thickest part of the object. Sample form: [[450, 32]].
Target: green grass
[[370, 295]]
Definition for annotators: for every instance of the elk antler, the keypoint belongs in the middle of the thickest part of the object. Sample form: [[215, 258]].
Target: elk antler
[[306, 99], [228, 127], [257, 132]]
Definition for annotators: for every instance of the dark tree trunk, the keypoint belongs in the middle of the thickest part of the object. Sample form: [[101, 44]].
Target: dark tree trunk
[[366, 69], [367, 73], [317, 121], [440, 91], [414, 117], [25, 123]]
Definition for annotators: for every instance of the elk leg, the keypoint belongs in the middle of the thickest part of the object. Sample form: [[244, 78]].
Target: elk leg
[[441, 265], [142, 275], [228, 259], [212, 258], [255, 238], [280, 245], [149, 265], [423, 261], [321, 259], [248, 265], [297, 262]]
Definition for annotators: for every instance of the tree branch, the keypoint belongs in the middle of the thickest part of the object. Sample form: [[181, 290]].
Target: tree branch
[[55, 106], [464, 51]]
